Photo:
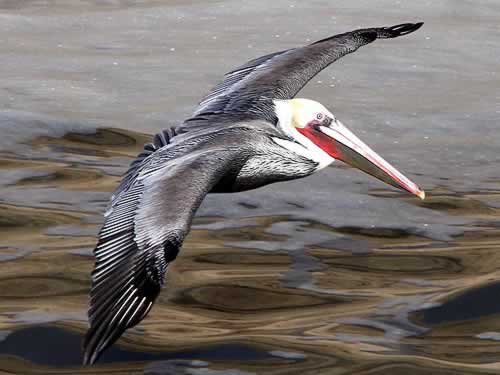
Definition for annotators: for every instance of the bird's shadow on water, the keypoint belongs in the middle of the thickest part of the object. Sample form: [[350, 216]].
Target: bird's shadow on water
[[55, 346]]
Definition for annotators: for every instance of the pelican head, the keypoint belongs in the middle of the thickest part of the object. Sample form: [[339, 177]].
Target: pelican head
[[324, 139]]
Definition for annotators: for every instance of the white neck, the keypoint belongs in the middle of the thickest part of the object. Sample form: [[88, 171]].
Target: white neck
[[306, 148]]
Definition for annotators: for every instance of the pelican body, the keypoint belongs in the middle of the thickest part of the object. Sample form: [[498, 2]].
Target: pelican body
[[249, 131]]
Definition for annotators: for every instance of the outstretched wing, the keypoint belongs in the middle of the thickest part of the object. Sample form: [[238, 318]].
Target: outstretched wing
[[142, 233], [251, 88], [247, 93]]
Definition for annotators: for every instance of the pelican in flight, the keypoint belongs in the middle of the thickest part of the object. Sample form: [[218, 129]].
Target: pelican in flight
[[249, 131]]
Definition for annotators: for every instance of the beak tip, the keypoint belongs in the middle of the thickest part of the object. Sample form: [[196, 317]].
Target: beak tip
[[421, 194]]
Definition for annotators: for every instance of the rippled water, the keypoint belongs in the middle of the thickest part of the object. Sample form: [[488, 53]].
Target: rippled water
[[333, 274]]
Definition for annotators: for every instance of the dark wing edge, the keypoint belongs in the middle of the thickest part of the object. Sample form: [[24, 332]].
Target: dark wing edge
[[398, 30], [142, 233], [281, 75]]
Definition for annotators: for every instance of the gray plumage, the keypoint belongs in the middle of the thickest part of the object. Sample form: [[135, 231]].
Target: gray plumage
[[227, 146], [249, 90]]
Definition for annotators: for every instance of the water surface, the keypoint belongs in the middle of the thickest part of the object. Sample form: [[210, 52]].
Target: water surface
[[333, 274]]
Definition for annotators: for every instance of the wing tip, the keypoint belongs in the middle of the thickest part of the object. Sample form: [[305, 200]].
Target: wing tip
[[398, 30], [93, 340], [101, 336], [89, 359], [97, 340], [90, 354], [127, 307]]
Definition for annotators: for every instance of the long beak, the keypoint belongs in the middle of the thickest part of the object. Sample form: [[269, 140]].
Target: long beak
[[351, 150]]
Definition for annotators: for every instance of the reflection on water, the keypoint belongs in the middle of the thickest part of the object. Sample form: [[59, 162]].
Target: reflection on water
[[471, 304], [252, 292], [31, 344], [333, 274]]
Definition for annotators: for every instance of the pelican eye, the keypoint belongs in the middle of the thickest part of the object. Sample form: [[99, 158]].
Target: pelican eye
[[319, 116], [316, 126]]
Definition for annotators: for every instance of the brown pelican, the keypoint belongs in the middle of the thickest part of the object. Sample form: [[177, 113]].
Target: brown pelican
[[249, 131]]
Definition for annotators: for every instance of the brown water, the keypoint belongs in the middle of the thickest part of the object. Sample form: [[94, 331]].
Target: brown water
[[333, 274]]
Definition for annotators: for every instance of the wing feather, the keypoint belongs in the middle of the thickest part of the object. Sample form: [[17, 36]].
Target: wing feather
[[142, 233], [234, 77], [281, 75]]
